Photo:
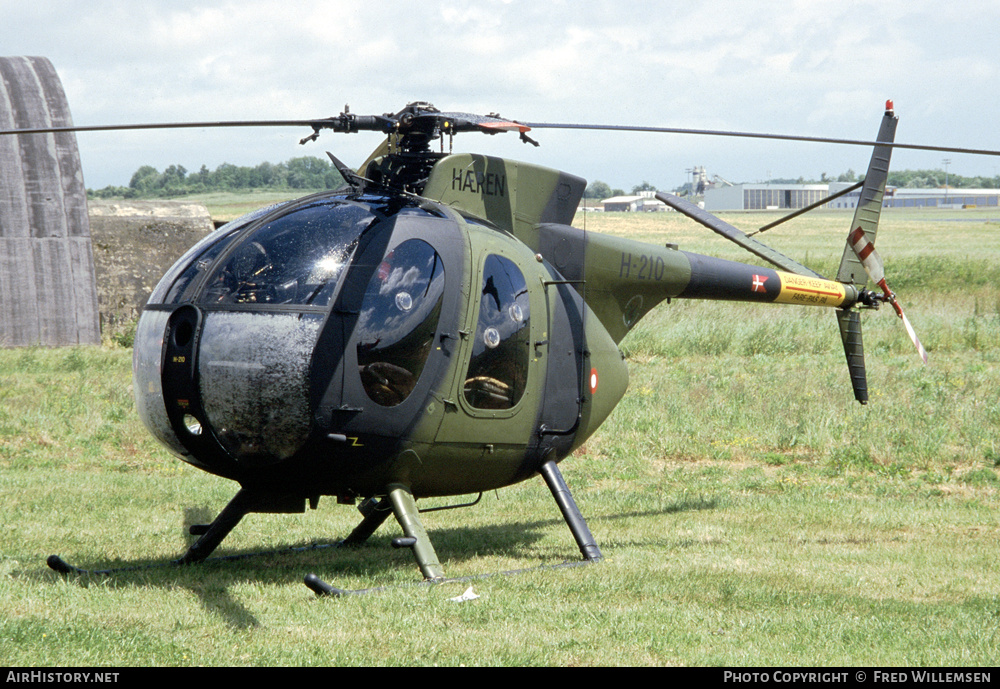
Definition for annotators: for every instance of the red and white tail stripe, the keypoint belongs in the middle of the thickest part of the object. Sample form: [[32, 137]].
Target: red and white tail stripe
[[865, 252]]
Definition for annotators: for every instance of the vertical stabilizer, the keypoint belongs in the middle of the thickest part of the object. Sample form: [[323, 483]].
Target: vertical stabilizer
[[866, 217]]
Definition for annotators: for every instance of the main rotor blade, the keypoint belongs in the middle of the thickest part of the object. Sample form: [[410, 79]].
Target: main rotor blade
[[757, 135], [354, 123], [165, 125], [734, 234]]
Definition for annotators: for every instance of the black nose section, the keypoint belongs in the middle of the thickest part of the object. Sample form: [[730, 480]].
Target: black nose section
[[181, 395], [180, 371]]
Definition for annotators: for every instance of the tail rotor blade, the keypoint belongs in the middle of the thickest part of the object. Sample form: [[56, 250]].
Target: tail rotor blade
[[873, 265], [910, 332]]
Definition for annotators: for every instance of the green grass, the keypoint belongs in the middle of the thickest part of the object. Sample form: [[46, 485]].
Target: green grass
[[226, 206], [750, 512]]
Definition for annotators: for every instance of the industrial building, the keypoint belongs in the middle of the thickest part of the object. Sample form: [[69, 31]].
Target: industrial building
[[643, 201], [794, 196], [764, 196], [922, 198]]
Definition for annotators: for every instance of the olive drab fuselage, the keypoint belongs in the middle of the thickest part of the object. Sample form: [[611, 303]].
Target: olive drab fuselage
[[452, 342], [342, 343]]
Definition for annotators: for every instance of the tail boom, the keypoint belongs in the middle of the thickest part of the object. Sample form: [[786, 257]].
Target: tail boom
[[714, 278]]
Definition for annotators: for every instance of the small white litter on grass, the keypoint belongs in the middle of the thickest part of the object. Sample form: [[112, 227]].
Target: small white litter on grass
[[468, 595]]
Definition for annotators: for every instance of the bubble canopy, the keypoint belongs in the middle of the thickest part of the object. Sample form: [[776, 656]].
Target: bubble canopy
[[239, 321], [294, 257]]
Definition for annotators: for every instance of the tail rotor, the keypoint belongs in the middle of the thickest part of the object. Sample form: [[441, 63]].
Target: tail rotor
[[872, 263]]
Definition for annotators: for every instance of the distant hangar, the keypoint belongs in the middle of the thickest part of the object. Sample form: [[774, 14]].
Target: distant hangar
[[794, 196]]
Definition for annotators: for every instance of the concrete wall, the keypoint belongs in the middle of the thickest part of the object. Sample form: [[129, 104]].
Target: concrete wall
[[135, 242], [47, 290]]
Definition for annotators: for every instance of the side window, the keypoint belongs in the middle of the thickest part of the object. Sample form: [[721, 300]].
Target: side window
[[498, 370], [398, 319]]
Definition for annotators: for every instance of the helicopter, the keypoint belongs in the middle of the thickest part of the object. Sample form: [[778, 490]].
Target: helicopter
[[436, 327]]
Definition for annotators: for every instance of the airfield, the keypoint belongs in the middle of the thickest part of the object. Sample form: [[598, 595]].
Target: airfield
[[749, 510]]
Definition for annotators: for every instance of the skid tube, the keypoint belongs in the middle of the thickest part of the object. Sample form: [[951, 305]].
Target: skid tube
[[59, 565], [321, 588], [211, 535]]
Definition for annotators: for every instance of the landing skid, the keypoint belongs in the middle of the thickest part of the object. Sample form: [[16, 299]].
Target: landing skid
[[399, 502], [416, 538], [211, 535], [57, 564], [321, 588]]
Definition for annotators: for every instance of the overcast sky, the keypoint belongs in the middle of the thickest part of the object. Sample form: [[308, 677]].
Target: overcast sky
[[799, 67]]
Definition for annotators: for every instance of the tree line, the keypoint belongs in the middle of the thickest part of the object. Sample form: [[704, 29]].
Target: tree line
[[921, 179], [313, 173], [297, 173]]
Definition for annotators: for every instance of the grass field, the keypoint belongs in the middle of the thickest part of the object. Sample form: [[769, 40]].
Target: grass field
[[750, 512]]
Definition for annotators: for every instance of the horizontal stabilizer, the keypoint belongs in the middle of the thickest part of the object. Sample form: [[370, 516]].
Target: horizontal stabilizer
[[735, 235]]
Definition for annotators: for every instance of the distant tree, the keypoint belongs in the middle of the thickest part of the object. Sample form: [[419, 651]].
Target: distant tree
[[226, 177], [144, 179], [307, 172], [269, 175], [174, 172], [172, 181], [598, 190], [645, 186]]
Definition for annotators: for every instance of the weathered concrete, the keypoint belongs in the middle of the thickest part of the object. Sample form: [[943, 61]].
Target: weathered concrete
[[135, 243], [47, 290]]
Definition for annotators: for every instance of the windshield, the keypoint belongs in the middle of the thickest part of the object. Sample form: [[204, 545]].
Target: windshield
[[294, 259]]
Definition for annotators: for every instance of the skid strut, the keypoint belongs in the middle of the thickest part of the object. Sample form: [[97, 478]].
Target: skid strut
[[211, 535], [405, 509], [375, 512], [415, 537], [571, 513]]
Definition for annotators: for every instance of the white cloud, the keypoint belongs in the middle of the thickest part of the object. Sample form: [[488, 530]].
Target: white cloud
[[797, 66]]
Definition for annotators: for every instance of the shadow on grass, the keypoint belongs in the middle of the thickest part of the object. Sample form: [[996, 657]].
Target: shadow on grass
[[211, 581]]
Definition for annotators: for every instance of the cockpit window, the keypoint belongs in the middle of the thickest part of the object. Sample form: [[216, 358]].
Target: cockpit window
[[498, 370], [196, 268], [173, 287], [294, 259], [398, 319]]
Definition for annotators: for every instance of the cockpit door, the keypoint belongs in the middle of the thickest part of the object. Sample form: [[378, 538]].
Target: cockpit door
[[390, 327], [497, 388]]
